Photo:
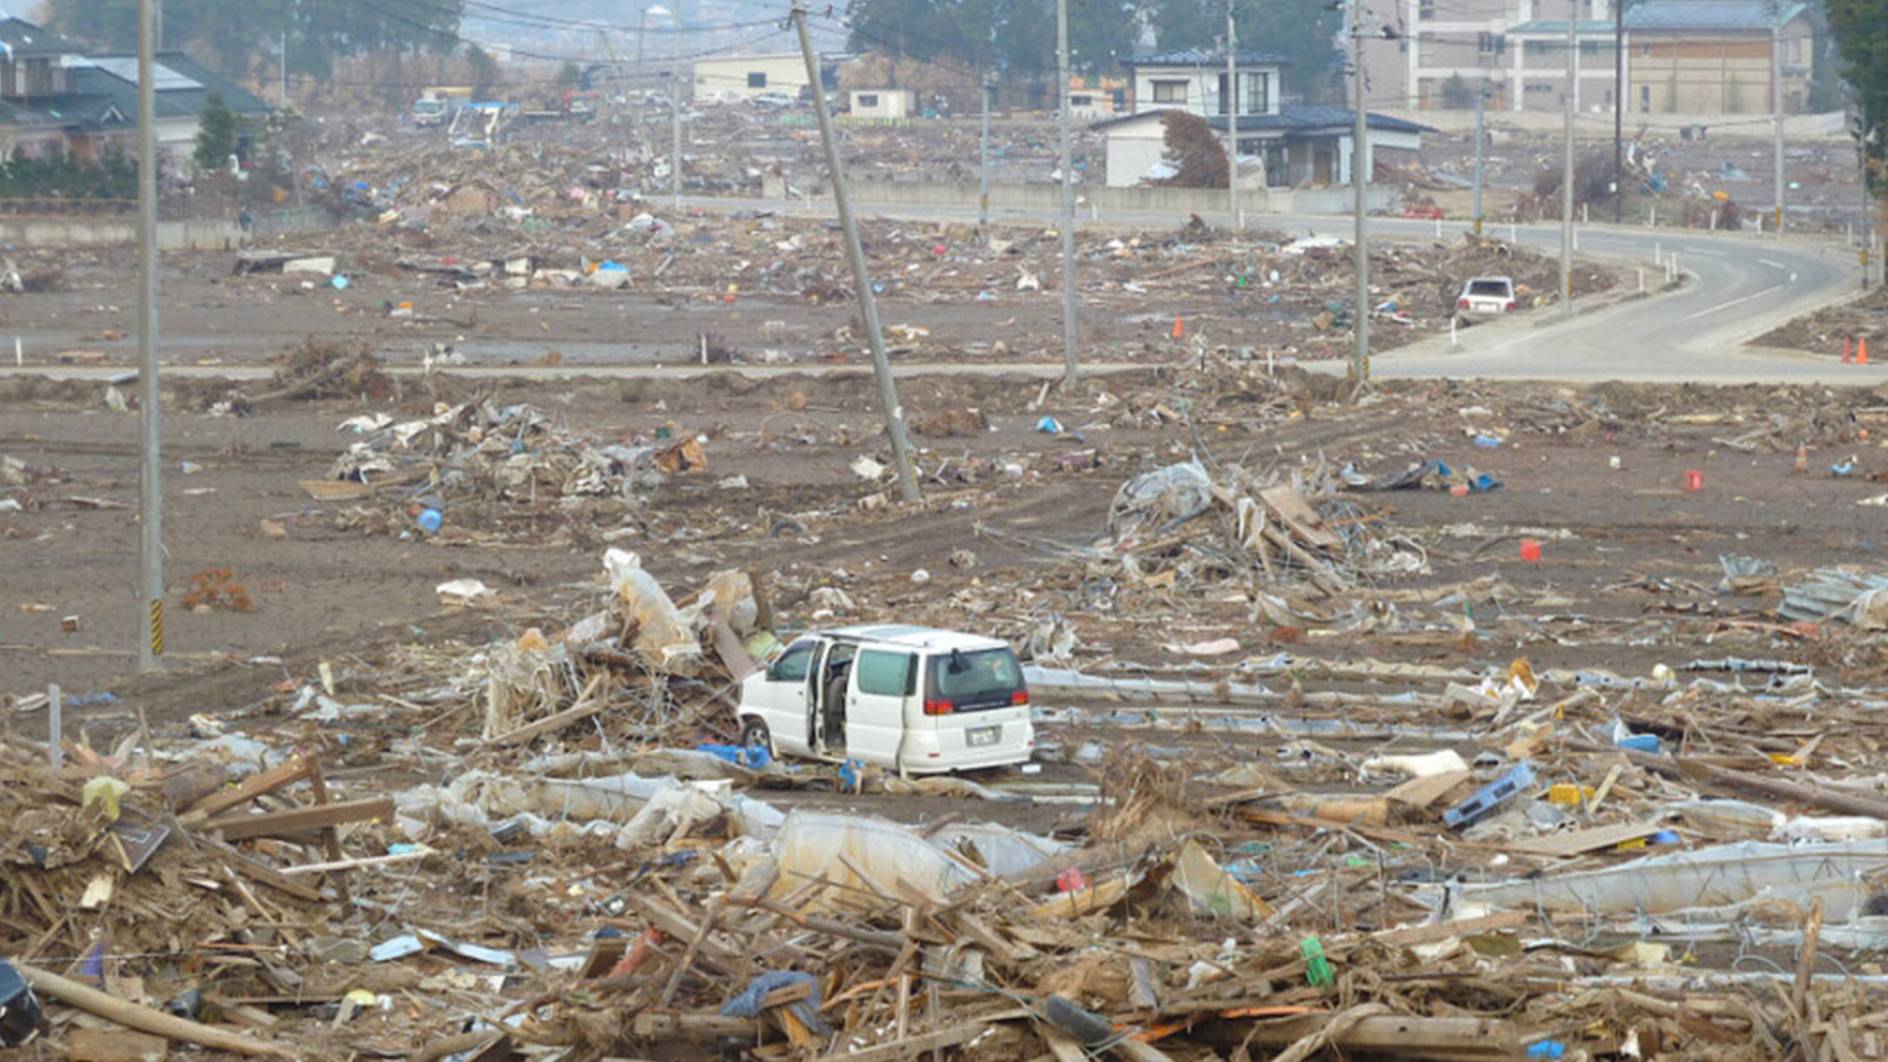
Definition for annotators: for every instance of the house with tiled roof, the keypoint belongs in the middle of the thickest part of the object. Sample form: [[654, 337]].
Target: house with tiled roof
[[1282, 144]]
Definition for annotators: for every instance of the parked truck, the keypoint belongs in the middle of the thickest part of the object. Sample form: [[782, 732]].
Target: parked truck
[[436, 105]]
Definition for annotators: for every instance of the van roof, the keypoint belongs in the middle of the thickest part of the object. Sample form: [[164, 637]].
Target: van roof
[[915, 637]]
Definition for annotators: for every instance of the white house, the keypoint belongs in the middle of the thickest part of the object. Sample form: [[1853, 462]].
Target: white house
[[883, 104], [745, 76], [1195, 80], [1293, 144]]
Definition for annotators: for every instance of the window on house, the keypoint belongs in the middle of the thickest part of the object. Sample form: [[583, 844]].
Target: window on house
[[38, 77], [1277, 172], [1589, 47], [1490, 43], [1120, 97], [1170, 92], [1223, 98], [1081, 101], [1645, 98], [868, 99], [757, 79], [1425, 9], [1645, 49], [1256, 94]]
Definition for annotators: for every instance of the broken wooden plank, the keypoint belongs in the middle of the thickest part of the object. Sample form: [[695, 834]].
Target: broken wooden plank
[[260, 872], [583, 709], [1419, 793], [248, 789], [1400, 1035], [299, 820], [665, 1026], [1402, 938], [145, 1019], [1304, 521], [1840, 802], [1575, 842]]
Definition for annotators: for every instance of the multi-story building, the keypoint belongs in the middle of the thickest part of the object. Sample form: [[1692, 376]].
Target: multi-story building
[[1681, 56]]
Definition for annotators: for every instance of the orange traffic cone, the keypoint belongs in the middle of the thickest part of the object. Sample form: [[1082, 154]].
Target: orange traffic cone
[[1848, 352], [1861, 350], [1179, 330]]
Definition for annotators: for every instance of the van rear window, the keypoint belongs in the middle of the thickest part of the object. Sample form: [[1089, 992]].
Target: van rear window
[[986, 678], [1498, 288]]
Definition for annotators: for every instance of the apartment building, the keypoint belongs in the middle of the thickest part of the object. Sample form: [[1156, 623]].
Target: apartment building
[[1681, 56]]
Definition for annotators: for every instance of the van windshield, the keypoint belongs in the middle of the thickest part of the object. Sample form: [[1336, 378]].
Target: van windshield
[[985, 678]]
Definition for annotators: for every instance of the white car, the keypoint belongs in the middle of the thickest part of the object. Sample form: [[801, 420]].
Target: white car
[[916, 700], [1486, 297]]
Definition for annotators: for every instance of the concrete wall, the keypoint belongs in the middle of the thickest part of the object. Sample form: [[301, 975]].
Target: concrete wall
[[1107, 201], [1726, 126], [121, 230]]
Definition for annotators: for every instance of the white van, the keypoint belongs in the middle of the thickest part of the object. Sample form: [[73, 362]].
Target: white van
[[913, 699]]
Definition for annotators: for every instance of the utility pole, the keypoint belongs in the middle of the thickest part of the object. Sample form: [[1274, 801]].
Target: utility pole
[[675, 110], [1566, 180], [1232, 118], [1776, 99], [1359, 172], [150, 488], [1069, 375], [861, 280], [983, 153], [285, 70], [1868, 202], [1619, 109], [1481, 140]]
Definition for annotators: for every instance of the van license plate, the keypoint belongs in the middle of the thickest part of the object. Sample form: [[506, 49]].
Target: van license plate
[[982, 736]]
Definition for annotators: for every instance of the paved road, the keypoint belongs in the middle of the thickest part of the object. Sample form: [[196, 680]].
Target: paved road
[[1736, 288]]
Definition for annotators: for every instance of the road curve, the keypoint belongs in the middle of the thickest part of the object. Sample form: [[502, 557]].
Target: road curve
[[1736, 288]]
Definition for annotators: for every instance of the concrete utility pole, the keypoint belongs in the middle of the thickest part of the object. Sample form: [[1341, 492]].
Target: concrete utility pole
[[1069, 374], [150, 487], [861, 280], [675, 111], [983, 154], [1566, 181], [1868, 211], [1776, 99], [1481, 148], [1359, 173], [1232, 118], [1619, 109], [285, 70]]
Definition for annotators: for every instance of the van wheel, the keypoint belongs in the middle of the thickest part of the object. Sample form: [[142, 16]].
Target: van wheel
[[754, 735]]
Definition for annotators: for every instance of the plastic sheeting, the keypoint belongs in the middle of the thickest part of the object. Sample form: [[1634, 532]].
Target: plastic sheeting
[[1709, 877], [629, 810], [861, 857], [664, 634], [1160, 500], [1002, 851], [847, 850]]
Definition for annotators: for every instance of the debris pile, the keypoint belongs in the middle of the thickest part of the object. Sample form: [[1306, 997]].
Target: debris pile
[[497, 470]]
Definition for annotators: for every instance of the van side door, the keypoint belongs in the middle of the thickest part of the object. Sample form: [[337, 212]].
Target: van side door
[[783, 697], [883, 681]]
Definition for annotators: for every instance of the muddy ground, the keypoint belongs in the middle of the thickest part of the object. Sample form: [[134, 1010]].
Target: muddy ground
[[325, 584]]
